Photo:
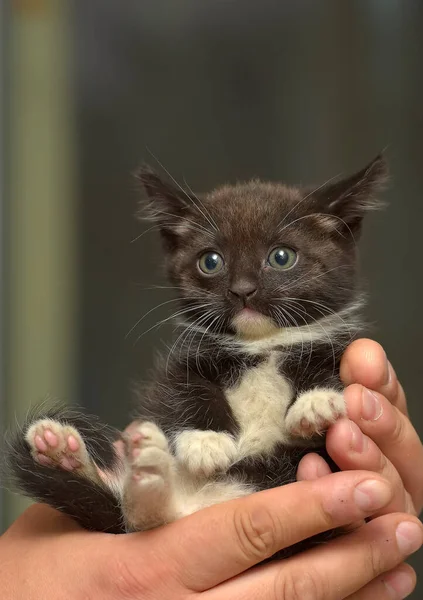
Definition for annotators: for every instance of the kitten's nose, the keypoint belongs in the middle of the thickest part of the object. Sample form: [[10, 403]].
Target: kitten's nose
[[242, 289]]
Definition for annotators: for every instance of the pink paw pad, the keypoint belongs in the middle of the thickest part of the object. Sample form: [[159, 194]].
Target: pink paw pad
[[137, 438], [44, 460], [73, 444], [40, 443], [69, 463], [134, 444], [54, 444], [51, 438]]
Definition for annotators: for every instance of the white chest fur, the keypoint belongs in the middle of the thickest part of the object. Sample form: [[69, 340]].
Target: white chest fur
[[259, 403]]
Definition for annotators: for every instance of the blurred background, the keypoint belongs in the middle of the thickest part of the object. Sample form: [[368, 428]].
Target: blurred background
[[294, 91]]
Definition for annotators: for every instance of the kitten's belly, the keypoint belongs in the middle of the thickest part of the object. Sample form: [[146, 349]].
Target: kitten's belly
[[259, 403]]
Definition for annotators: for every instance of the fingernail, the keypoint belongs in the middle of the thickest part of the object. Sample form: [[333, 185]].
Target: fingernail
[[409, 537], [399, 584], [371, 408], [358, 441], [372, 494]]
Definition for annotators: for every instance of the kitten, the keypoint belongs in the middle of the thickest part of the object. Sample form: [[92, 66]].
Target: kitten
[[269, 301]]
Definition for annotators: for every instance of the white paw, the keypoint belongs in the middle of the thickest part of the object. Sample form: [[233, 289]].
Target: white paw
[[54, 444], [205, 452], [147, 455], [314, 411]]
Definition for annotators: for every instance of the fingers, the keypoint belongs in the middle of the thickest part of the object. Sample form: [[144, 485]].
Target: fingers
[[394, 585], [321, 573], [351, 449], [312, 466], [392, 432], [224, 540], [365, 362]]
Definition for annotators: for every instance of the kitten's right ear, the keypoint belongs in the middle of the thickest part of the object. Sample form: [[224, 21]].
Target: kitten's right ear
[[162, 203]]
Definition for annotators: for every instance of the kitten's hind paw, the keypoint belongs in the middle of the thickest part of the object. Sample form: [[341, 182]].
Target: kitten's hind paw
[[148, 487], [314, 411], [55, 444], [147, 454]]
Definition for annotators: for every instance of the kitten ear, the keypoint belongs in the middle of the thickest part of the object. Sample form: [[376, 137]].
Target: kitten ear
[[162, 203], [349, 199]]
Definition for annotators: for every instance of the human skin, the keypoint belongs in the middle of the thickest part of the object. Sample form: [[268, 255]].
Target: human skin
[[207, 555], [377, 435]]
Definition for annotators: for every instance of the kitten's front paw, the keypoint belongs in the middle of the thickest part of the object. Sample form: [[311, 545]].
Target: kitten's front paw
[[54, 444], [205, 452], [314, 411]]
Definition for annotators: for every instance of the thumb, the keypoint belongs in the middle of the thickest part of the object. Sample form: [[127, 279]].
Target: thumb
[[224, 540]]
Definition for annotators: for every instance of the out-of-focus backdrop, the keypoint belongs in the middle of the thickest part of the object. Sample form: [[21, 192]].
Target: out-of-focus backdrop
[[295, 91]]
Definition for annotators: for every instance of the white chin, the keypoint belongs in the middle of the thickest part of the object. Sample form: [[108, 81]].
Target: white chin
[[254, 326]]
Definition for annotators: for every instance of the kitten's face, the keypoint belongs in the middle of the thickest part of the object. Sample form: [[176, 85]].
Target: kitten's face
[[254, 258]]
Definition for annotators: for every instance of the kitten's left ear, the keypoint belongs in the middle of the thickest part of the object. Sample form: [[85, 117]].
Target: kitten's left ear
[[163, 204], [349, 199], [164, 201]]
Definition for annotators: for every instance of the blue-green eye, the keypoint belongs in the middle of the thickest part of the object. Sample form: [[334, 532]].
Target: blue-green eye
[[210, 263], [282, 258]]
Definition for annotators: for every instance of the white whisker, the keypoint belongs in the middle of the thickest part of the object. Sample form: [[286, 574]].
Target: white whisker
[[184, 191], [305, 198], [282, 288], [320, 214], [173, 316]]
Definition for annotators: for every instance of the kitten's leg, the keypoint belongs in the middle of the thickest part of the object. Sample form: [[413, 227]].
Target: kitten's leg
[[59, 445], [204, 453], [148, 492], [79, 493], [314, 411]]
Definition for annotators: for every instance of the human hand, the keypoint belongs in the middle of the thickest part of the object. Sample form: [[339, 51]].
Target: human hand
[[204, 556], [377, 436]]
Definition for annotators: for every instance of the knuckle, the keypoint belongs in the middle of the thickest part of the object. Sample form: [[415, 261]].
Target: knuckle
[[326, 518], [399, 434], [304, 585], [255, 532], [375, 560]]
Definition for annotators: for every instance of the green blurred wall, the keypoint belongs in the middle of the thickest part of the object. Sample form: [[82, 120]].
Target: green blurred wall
[[39, 287]]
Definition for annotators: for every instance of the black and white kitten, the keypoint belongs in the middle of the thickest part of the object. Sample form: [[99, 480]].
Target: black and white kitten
[[269, 300]]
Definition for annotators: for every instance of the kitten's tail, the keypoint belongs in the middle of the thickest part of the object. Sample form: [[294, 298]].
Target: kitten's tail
[[93, 504]]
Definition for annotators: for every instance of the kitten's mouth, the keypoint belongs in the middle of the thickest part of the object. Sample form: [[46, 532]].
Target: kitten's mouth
[[251, 324]]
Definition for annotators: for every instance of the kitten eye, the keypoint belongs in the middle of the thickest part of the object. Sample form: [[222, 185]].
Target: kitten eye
[[282, 258], [210, 263]]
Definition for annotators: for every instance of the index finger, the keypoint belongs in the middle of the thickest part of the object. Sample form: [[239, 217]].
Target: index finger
[[224, 540], [365, 362]]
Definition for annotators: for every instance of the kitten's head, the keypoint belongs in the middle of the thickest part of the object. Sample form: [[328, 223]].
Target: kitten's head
[[252, 258]]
